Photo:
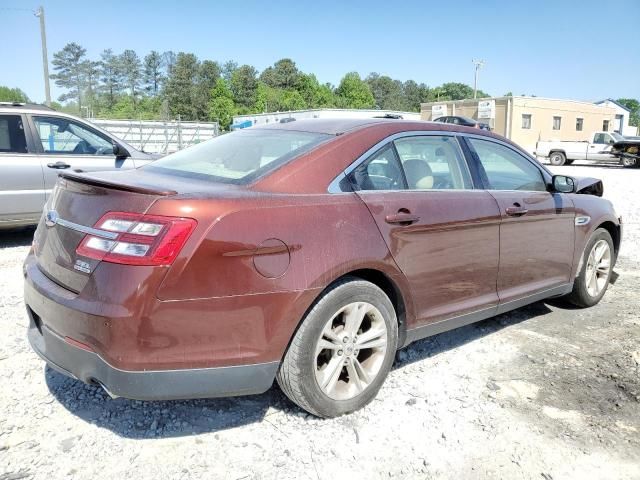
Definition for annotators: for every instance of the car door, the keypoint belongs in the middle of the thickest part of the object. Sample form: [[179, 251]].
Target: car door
[[67, 144], [21, 183], [537, 227], [601, 148], [442, 234]]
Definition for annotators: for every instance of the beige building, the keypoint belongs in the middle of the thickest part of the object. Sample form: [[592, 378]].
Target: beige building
[[525, 120]]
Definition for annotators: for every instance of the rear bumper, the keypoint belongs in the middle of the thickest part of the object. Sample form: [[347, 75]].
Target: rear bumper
[[89, 367]]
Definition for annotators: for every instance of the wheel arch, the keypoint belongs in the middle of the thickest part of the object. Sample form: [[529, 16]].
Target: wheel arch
[[398, 295], [391, 289], [614, 231]]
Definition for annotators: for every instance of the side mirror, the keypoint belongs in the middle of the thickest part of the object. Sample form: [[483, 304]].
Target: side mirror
[[119, 151], [563, 184]]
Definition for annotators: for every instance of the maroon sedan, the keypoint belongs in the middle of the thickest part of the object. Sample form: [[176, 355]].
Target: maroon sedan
[[307, 252]]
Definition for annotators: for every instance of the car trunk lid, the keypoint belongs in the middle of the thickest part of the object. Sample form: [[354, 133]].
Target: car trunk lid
[[75, 206]]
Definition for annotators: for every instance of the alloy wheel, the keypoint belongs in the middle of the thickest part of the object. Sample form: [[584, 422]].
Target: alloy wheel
[[598, 268], [350, 350]]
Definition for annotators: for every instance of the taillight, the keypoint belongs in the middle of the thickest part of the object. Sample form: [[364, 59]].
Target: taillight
[[141, 239]]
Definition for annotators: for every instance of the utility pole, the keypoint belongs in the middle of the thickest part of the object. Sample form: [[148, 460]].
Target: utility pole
[[45, 59], [478, 65]]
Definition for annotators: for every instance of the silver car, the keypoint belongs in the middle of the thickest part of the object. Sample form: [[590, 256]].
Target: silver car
[[36, 143]]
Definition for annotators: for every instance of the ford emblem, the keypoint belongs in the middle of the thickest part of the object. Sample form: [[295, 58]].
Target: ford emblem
[[51, 218]]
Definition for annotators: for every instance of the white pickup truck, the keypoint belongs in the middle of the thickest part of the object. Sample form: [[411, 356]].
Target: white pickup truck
[[598, 148]]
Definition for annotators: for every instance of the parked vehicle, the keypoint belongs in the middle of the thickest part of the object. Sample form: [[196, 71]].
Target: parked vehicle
[[598, 148], [37, 143], [308, 252], [628, 150], [464, 121]]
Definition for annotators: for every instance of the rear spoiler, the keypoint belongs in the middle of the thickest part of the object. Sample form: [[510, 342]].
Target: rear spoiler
[[98, 181]]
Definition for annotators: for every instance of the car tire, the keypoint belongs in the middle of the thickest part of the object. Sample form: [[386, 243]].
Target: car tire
[[320, 380], [557, 159], [629, 162], [584, 294]]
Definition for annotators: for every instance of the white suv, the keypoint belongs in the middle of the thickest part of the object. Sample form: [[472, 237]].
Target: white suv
[[36, 143]]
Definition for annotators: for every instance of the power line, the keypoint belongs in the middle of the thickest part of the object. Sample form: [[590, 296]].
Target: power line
[[14, 9]]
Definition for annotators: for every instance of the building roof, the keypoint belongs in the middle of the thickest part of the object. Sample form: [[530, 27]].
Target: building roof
[[614, 102], [308, 110], [510, 97], [331, 126]]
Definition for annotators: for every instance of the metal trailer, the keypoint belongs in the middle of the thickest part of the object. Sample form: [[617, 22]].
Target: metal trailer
[[159, 136]]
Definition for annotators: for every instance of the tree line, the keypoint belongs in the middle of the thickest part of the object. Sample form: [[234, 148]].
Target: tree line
[[168, 85]]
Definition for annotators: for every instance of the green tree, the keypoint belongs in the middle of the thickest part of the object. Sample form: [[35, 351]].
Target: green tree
[[169, 59], [180, 85], [633, 105], [69, 65], [415, 94], [459, 91], [388, 93], [153, 74], [227, 70], [292, 100], [314, 94], [111, 76], [12, 95], [205, 81], [353, 92], [131, 72], [262, 97], [221, 106], [283, 74], [244, 84], [92, 77]]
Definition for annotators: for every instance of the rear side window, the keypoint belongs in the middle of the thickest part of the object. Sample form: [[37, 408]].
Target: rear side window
[[240, 156], [506, 169], [12, 137], [381, 171], [433, 162]]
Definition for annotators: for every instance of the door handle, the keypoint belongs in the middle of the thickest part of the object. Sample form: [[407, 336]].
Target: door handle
[[401, 218], [516, 211], [58, 165]]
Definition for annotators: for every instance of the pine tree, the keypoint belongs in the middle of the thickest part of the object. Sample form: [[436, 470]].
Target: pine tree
[[69, 65]]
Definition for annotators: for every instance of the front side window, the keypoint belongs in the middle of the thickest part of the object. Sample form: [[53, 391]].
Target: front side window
[[526, 121], [63, 136], [579, 124], [240, 156], [557, 123], [12, 138], [433, 162], [506, 169], [381, 171]]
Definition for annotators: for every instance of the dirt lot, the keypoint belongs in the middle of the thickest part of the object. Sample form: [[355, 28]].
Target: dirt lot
[[543, 393]]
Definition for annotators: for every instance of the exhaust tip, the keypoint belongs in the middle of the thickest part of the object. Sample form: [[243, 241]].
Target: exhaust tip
[[112, 395]]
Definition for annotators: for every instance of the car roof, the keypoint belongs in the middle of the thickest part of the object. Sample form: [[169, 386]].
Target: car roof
[[24, 107]]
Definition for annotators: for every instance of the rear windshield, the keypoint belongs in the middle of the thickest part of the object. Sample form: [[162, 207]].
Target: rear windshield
[[238, 157]]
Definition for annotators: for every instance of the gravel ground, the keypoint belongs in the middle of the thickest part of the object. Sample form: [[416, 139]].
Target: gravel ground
[[544, 392]]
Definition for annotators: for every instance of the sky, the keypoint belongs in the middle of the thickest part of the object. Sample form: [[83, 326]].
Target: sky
[[564, 49]]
